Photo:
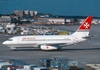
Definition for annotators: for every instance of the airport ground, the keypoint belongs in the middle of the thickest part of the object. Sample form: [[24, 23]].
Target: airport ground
[[85, 52]]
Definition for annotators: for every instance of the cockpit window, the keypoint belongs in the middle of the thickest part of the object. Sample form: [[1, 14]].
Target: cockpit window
[[10, 39]]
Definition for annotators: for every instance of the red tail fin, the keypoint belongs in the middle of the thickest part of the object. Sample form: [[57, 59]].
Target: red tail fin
[[84, 28], [86, 24]]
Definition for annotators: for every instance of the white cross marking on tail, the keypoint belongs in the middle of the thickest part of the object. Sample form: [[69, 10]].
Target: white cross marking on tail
[[86, 25]]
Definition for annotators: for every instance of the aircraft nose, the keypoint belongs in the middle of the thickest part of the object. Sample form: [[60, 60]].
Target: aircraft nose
[[4, 42]]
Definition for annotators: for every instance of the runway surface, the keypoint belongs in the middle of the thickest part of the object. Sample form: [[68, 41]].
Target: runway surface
[[88, 51]]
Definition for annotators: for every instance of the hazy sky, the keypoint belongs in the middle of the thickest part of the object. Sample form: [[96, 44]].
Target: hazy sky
[[55, 7]]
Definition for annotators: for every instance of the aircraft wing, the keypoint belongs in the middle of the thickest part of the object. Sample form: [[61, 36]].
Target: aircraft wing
[[52, 43]]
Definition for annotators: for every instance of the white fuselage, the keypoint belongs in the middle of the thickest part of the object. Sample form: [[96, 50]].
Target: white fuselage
[[34, 41]]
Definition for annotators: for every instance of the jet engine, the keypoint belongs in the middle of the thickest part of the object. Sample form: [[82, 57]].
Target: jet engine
[[48, 47]]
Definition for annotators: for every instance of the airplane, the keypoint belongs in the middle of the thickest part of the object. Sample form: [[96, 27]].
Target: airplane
[[51, 42]]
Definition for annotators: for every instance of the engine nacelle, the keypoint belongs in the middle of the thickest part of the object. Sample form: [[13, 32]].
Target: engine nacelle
[[48, 47]]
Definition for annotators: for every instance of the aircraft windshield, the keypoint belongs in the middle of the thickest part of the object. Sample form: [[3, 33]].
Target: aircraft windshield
[[10, 39]]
